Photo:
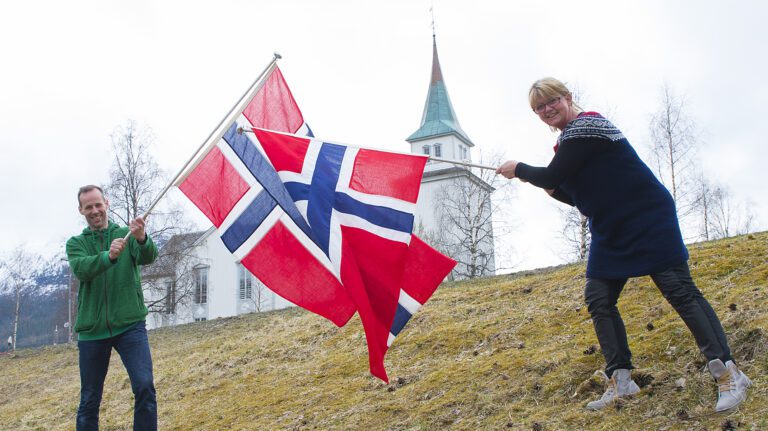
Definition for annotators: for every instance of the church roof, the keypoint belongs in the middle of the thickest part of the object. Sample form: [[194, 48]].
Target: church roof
[[439, 118]]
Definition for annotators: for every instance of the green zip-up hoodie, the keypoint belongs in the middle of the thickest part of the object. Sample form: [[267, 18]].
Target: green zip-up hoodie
[[110, 299]]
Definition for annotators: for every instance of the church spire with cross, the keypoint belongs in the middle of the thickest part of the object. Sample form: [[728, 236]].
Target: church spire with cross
[[439, 121]]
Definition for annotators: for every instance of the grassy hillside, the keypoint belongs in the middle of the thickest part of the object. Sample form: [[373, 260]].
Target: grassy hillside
[[508, 352]]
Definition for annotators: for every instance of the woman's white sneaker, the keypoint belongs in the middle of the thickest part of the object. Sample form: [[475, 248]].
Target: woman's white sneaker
[[620, 385], [732, 384]]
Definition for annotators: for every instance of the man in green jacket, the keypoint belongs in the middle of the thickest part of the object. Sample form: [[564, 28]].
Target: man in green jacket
[[110, 308]]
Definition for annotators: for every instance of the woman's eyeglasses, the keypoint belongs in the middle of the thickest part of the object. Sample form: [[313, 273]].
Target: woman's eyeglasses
[[551, 103]]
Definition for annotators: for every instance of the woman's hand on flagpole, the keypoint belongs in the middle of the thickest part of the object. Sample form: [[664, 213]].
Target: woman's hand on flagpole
[[507, 169]]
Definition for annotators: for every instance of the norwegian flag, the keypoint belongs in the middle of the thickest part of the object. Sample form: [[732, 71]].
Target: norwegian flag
[[360, 205], [324, 225]]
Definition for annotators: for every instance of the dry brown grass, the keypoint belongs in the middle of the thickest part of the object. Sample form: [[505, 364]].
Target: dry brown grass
[[507, 352]]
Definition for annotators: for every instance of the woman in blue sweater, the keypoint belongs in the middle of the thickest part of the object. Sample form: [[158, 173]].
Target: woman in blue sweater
[[635, 232]]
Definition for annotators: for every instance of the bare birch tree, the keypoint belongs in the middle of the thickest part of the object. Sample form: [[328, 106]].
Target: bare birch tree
[[135, 181], [576, 234], [704, 206], [726, 216], [464, 212], [19, 274], [720, 214], [674, 142]]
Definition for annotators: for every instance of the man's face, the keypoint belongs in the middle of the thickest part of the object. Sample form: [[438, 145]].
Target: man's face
[[93, 206]]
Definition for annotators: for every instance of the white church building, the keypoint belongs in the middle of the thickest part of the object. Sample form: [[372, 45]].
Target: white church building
[[214, 284]]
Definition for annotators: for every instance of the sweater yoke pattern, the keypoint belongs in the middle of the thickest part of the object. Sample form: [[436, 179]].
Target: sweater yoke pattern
[[591, 125]]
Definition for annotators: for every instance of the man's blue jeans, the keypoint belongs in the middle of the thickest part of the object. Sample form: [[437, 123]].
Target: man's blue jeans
[[133, 347]]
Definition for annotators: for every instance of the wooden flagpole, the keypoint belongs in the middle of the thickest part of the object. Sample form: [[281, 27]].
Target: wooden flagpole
[[216, 134]]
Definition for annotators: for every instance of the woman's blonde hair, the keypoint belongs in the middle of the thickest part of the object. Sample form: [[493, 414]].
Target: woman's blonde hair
[[549, 88]]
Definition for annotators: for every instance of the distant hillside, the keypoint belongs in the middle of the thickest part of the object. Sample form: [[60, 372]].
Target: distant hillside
[[506, 352], [42, 308]]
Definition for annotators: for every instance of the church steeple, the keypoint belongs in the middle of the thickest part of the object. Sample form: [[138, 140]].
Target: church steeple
[[439, 118]]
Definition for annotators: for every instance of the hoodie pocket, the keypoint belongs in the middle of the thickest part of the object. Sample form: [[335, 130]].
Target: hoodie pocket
[[88, 310]]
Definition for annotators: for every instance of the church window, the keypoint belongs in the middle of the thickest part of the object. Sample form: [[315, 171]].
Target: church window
[[438, 150], [246, 282], [425, 150], [170, 297], [201, 285]]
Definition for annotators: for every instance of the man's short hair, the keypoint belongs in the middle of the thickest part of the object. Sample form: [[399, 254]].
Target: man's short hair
[[86, 189]]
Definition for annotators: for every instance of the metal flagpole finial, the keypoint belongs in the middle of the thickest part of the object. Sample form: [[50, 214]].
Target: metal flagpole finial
[[277, 55]]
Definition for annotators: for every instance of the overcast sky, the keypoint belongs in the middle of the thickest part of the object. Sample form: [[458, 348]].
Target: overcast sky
[[73, 71]]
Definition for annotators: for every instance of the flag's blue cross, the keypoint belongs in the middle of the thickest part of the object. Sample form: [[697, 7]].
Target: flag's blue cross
[[321, 202]]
